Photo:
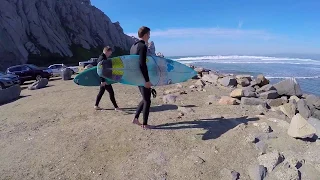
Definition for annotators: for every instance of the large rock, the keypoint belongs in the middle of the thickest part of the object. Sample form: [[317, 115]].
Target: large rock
[[37, 27], [228, 81], [43, 82], [289, 109], [289, 87], [316, 124], [9, 94], [237, 93], [303, 109], [227, 174], [169, 99], [266, 88], [272, 94], [270, 160], [212, 78], [252, 101], [313, 101], [275, 102], [261, 80], [300, 128], [315, 113], [243, 81], [225, 100], [287, 173], [309, 172], [257, 172]]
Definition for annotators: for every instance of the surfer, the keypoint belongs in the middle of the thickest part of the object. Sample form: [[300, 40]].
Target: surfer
[[140, 48], [107, 51]]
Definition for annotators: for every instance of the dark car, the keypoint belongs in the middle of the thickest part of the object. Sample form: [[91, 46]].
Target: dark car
[[27, 72], [7, 80]]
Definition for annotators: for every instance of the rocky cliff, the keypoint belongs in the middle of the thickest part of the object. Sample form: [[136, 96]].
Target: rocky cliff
[[44, 31]]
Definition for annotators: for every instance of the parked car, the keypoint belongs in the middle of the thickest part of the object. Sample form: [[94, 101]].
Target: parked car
[[7, 80], [27, 72], [92, 61], [56, 69]]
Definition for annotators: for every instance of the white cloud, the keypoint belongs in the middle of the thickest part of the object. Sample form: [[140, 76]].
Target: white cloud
[[209, 33]]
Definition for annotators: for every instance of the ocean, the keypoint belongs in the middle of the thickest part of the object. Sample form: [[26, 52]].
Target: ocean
[[305, 70]]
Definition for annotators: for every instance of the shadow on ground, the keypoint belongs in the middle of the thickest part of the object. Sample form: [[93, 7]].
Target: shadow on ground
[[20, 97], [163, 107], [214, 127]]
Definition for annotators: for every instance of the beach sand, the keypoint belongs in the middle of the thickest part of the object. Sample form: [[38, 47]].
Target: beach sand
[[54, 133]]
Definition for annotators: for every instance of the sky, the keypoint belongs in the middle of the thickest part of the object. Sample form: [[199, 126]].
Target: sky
[[220, 27]]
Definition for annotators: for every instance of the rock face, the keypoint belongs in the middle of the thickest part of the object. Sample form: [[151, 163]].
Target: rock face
[[53, 26], [39, 84]]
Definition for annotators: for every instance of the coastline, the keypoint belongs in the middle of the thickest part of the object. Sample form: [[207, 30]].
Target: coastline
[[204, 130]]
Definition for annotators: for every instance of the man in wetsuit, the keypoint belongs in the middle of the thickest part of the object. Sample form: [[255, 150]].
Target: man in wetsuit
[[140, 48], [107, 51]]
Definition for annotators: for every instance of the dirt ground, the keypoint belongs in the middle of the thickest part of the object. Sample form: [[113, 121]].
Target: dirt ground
[[54, 133]]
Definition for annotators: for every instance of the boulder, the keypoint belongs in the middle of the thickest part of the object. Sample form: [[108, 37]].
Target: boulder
[[275, 102], [272, 94], [228, 81], [169, 99], [66, 74], [225, 100], [9, 94], [270, 160], [316, 124], [257, 172], [264, 127], [227, 174], [315, 113], [266, 88], [212, 78], [261, 80], [284, 173], [249, 88], [289, 109], [253, 83], [247, 93], [295, 98], [300, 128], [252, 101], [244, 76], [285, 99], [309, 172], [43, 82], [237, 93], [303, 109], [289, 87], [244, 82], [200, 83], [313, 101]]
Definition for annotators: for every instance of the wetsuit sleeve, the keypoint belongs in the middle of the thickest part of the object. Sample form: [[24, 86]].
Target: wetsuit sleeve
[[143, 63], [102, 79]]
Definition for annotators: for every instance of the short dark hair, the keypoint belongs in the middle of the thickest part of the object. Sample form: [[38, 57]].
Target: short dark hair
[[142, 31], [107, 48]]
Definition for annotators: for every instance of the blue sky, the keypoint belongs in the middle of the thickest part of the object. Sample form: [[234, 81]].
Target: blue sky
[[211, 27]]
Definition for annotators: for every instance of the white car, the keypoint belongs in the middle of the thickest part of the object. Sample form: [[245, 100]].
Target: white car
[[56, 69]]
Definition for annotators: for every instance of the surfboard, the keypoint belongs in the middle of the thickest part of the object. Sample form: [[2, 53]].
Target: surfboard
[[162, 71], [90, 77]]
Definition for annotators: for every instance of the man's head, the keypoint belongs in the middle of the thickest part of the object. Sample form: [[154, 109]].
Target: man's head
[[107, 51], [144, 33]]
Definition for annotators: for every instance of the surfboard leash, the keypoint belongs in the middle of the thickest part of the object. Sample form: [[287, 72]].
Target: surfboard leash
[[154, 93]]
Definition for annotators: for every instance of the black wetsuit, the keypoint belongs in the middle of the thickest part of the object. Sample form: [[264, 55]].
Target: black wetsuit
[[139, 48], [107, 87]]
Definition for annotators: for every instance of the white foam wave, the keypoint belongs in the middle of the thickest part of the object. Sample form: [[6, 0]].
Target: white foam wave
[[311, 77], [247, 59]]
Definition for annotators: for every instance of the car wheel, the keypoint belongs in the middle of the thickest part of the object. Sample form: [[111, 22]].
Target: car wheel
[[1, 86], [38, 77]]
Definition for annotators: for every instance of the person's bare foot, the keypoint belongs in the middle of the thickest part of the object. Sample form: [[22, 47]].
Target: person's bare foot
[[146, 126], [136, 121]]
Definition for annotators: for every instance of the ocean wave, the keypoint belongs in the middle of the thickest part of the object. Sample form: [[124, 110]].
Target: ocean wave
[[247, 59], [311, 77]]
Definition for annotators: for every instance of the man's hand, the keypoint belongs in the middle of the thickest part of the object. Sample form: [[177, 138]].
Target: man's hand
[[103, 83], [147, 85]]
